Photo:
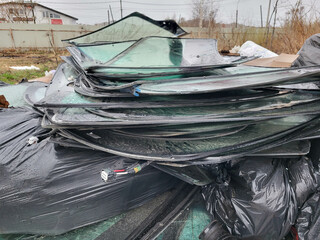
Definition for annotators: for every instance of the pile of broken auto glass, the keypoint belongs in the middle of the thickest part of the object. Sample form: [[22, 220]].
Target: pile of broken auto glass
[[177, 105], [177, 102]]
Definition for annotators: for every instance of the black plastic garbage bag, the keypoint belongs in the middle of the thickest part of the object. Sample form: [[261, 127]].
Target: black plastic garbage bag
[[216, 230], [304, 179], [309, 54], [308, 221], [49, 189], [257, 201]]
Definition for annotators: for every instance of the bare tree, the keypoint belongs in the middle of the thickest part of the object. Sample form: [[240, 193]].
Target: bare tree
[[205, 13], [17, 11]]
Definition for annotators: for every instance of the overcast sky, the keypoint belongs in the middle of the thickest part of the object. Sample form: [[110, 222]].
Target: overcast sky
[[95, 11]]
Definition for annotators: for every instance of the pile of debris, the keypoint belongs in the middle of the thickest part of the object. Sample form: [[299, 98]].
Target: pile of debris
[[150, 108]]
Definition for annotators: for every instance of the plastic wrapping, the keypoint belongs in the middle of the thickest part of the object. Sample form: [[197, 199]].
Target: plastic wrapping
[[308, 221], [250, 49], [49, 189], [309, 54], [257, 202], [259, 198], [216, 230], [304, 179]]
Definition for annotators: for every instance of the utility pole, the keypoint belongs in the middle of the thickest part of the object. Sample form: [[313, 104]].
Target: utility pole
[[237, 12], [108, 17], [121, 9], [261, 16], [111, 13], [274, 22], [236, 18], [267, 22]]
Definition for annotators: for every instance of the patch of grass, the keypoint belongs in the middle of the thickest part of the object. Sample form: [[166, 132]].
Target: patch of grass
[[46, 61], [15, 76]]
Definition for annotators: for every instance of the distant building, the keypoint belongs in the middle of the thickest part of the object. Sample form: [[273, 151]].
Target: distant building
[[34, 13]]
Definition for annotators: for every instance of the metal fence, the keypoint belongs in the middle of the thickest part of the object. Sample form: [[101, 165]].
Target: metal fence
[[39, 35]]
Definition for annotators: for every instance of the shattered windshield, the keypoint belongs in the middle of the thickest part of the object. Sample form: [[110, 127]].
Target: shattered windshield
[[132, 27]]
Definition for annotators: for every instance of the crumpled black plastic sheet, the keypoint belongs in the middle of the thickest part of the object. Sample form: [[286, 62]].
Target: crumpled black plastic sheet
[[309, 54], [308, 221], [259, 197], [49, 189], [217, 231], [304, 178], [257, 202]]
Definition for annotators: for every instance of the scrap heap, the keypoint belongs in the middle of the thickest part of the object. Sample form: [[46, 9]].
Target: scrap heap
[[148, 108]]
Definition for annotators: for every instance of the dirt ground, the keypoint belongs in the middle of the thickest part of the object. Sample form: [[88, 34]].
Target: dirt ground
[[44, 60]]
